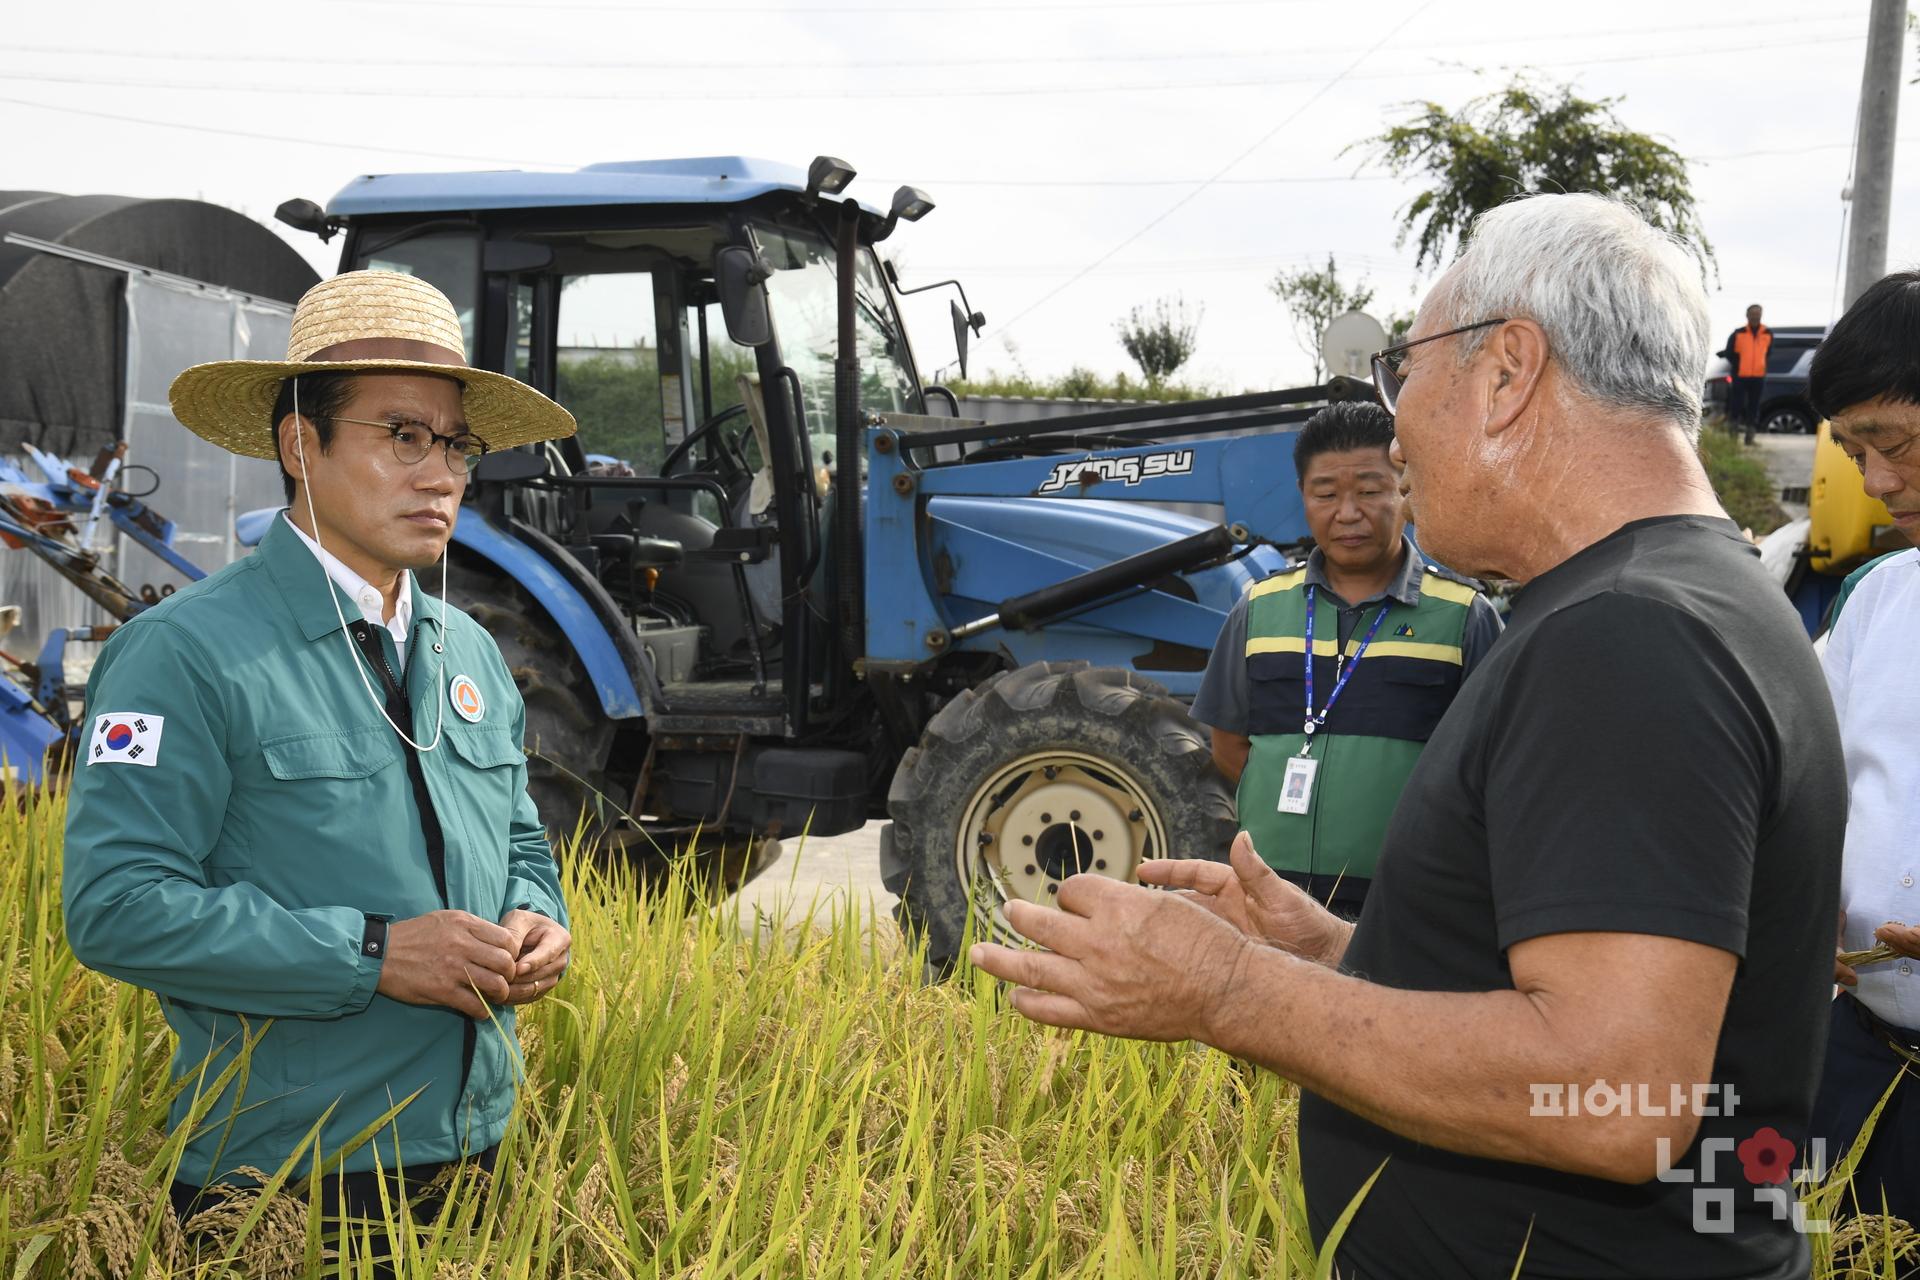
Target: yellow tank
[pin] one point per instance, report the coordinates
(1848, 527)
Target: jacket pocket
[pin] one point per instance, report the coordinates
(1417, 696)
(484, 746)
(1276, 693)
(329, 798)
(333, 753)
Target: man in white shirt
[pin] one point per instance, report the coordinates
(1866, 380)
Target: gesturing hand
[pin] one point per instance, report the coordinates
(442, 957)
(1120, 959)
(1249, 896)
(541, 949)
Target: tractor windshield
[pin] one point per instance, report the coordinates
(802, 292)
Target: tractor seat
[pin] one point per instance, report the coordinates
(640, 551)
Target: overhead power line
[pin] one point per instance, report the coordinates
(495, 161)
(1222, 172)
(943, 62)
(363, 148)
(494, 93)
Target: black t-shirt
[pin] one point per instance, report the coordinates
(1649, 748)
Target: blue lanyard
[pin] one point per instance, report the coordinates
(1315, 722)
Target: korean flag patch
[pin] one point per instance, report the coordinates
(126, 737)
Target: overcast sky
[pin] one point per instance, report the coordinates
(1054, 135)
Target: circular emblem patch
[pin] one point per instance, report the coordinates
(118, 736)
(465, 695)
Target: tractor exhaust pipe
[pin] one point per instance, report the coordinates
(1036, 609)
(848, 444)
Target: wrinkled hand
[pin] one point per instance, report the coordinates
(1249, 896)
(1903, 938)
(443, 957)
(541, 949)
(1120, 959)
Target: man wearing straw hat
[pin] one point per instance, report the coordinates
(1578, 1020)
(301, 815)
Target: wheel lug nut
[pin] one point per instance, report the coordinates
(986, 838)
(1099, 835)
(1026, 839)
(1031, 869)
(1135, 816)
(1051, 772)
(1074, 816)
(1053, 888)
(1099, 864)
(1046, 818)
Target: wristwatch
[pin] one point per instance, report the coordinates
(373, 938)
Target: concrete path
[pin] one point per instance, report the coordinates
(826, 873)
(1789, 461)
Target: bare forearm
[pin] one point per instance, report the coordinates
(1230, 753)
(1451, 1070)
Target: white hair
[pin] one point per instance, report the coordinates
(1621, 302)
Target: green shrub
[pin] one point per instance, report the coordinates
(1740, 480)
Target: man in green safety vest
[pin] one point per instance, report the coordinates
(1321, 747)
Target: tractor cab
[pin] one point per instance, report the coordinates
(686, 312)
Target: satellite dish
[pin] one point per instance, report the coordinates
(1349, 343)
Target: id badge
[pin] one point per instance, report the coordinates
(1296, 785)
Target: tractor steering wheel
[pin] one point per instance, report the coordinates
(729, 449)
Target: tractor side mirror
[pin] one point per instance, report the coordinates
(960, 336)
(740, 274)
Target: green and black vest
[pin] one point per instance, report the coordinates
(1402, 686)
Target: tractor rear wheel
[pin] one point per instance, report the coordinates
(1043, 772)
(569, 738)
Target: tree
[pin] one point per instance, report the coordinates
(1315, 298)
(1159, 340)
(1523, 139)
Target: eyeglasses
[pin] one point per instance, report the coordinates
(1386, 364)
(413, 440)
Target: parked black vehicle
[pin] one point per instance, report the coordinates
(1783, 396)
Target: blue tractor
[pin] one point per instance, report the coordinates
(768, 591)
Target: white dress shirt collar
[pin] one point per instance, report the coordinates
(365, 595)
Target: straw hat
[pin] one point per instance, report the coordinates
(362, 321)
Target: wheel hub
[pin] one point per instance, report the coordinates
(1044, 818)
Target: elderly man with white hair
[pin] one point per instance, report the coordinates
(1580, 1017)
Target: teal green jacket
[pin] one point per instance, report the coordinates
(241, 806)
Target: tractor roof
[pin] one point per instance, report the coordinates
(699, 180)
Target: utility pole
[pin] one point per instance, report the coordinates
(1873, 147)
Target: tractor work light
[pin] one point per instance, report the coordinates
(828, 176)
(910, 204)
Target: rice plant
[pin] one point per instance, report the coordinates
(705, 1096)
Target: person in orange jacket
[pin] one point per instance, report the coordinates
(1746, 351)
